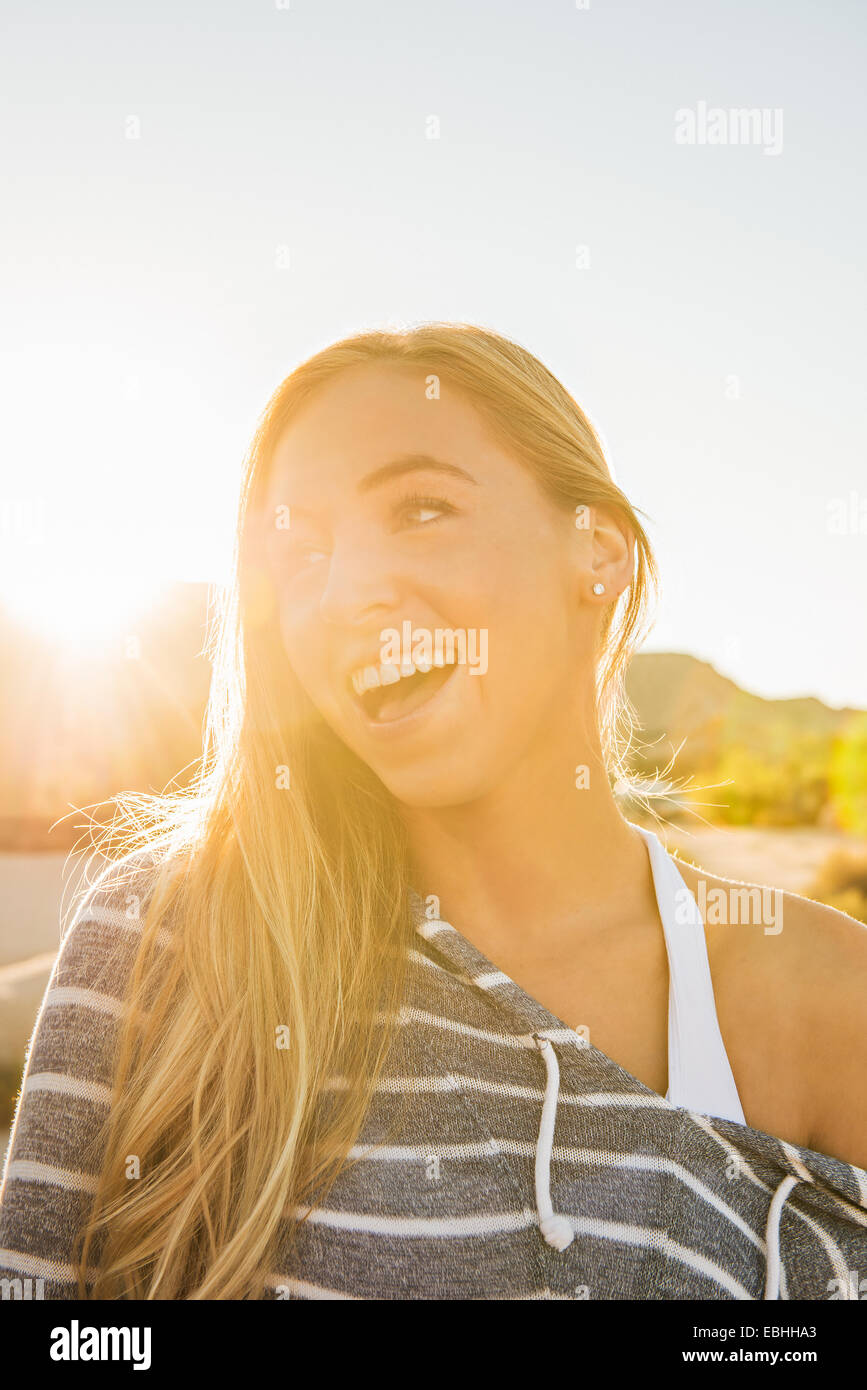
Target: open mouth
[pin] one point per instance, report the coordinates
(398, 695)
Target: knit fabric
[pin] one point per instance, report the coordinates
(664, 1202)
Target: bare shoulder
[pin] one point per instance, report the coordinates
(831, 950)
(790, 983)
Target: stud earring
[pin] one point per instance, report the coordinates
(599, 588)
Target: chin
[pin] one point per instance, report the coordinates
(434, 787)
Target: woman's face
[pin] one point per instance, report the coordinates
(406, 510)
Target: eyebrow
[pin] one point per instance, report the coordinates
(411, 463)
(397, 467)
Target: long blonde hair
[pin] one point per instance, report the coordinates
(281, 884)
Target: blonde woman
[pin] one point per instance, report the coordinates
(396, 1002)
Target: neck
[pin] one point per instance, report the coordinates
(535, 861)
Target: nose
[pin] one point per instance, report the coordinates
(360, 582)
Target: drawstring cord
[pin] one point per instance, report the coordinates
(772, 1237)
(557, 1230)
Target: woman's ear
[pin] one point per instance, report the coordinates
(607, 556)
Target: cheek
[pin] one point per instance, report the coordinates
(528, 622)
(305, 651)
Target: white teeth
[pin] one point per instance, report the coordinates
(364, 679)
(369, 677)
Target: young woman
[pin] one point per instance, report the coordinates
(396, 1003)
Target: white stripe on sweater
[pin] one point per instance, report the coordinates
(38, 1268)
(113, 917)
(64, 995)
(455, 1081)
(463, 1227)
(490, 980)
(437, 1227)
(408, 1014)
(429, 929)
(650, 1163)
(64, 1084)
(25, 1170)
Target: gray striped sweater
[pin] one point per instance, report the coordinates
(526, 1163)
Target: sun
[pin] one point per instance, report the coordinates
(78, 609)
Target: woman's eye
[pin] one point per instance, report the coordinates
(422, 511)
(310, 554)
(299, 555)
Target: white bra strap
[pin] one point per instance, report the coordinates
(699, 1073)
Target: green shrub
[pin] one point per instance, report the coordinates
(842, 883)
(848, 776)
(784, 786)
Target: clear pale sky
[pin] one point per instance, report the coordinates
(716, 336)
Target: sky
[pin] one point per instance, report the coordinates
(200, 196)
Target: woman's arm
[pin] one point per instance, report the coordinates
(51, 1171)
(832, 988)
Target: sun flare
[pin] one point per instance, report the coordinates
(81, 611)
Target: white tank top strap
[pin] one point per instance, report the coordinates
(699, 1073)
